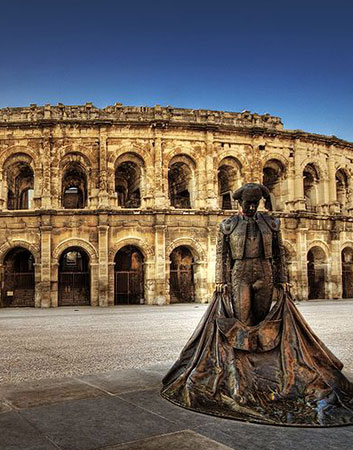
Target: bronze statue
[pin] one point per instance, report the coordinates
(249, 361)
(251, 243)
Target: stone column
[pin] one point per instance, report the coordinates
(45, 272)
(149, 282)
(111, 283)
(332, 189)
(1, 284)
(334, 272)
(54, 294)
(211, 173)
(103, 254)
(302, 266)
(103, 195)
(299, 200)
(3, 190)
(160, 198)
(160, 260)
(213, 223)
(290, 203)
(46, 158)
(38, 181)
(94, 284)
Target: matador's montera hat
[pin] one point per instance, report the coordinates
(254, 191)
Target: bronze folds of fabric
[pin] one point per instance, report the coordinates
(277, 372)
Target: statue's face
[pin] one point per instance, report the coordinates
(249, 207)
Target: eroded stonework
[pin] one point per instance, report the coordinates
(122, 204)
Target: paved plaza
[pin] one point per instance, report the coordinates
(65, 342)
(89, 379)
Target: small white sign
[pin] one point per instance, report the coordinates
(9, 293)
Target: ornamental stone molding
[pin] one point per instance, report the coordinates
(76, 242)
(14, 243)
(195, 247)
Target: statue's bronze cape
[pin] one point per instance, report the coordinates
(277, 372)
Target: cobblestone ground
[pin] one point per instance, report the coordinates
(64, 342)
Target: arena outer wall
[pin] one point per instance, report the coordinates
(153, 154)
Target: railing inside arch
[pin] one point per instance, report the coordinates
(74, 289)
(128, 287)
(18, 289)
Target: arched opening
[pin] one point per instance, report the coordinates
(228, 173)
(316, 261)
(273, 174)
(20, 185)
(311, 181)
(74, 187)
(180, 178)
(181, 277)
(129, 276)
(342, 189)
(18, 278)
(347, 272)
(74, 278)
(127, 184)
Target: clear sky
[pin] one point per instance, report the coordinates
(293, 59)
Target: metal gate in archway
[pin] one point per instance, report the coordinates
(128, 277)
(347, 272)
(181, 276)
(74, 278)
(316, 274)
(18, 286)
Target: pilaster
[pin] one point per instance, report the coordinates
(45, 271)
(211, 172)
(161, 281)
(103, 268)
(160, 194)
(103, 196)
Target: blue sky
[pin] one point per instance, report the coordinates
(293, 59)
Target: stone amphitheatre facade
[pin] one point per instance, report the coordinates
(121, 205)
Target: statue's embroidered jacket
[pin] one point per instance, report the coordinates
(231, 241)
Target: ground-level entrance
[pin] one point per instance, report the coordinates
(181, 278)
(347, 273)
(18, 278)
(74, 278)
(316, 273)
(128, 276)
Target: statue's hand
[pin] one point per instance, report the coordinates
(221, 288)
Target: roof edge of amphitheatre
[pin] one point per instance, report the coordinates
(157, 116)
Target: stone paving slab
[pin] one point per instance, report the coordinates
(44, 392)
(242, 436)
(51, 414)
(4, 407)
(95, 423)
(17, 434)
(151, 401)
(182, 440)
(117, 382)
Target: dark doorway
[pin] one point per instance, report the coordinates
(347, 273)
(316, 273)
(182, 288)
(18, 278)
(74, 278)
(128, 276)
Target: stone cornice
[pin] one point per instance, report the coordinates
(168, 117)
(157, 115)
